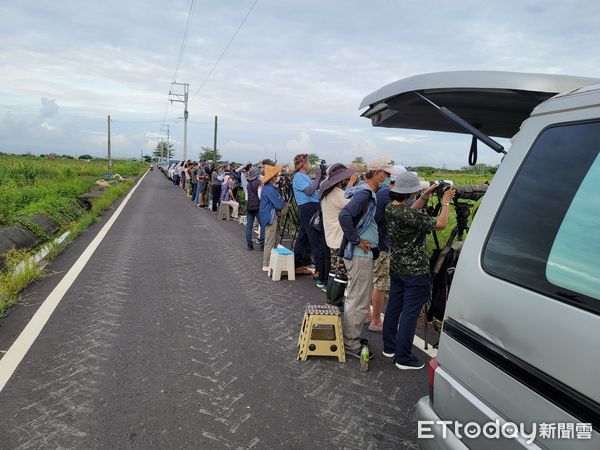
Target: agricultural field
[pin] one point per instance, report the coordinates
(34, 185)
(457, 179)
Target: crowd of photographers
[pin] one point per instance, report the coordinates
(366, 235)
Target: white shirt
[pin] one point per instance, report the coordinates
(331, 206)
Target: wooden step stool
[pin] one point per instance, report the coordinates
(281, 260)
(223, 212)
(321, 333)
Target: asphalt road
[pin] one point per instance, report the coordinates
(173, 337)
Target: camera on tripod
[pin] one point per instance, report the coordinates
(463, 191)
(323, 168)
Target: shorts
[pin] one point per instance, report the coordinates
(381, 272)
(338, 268)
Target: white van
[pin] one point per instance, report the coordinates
(521, 336)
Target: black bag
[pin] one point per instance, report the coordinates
(316, 221)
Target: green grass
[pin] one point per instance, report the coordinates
(12, 281)
(30, 185)
(33, 185)
(457, 179)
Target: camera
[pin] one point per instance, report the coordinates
(323, 168)
(463, 191)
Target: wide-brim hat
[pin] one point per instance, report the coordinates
(407, 183)
(270, 172)
(336, 173)
(253, 173)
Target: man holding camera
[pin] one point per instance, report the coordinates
(410, 277)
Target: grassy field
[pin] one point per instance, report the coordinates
(457, 179)
(33, 185)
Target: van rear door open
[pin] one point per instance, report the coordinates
(494, 102)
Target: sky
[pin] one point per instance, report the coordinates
(291, 81)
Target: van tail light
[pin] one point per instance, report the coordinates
(431, 366)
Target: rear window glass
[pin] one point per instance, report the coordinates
(574, 261)
(537, 240)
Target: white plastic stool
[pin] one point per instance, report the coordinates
(281, 260)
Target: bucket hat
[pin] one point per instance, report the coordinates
(407, 183)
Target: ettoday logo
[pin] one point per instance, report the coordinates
(508, 430)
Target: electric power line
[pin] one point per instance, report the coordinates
(145, 121)
(181, 50)
(224, 51)
(185, 35)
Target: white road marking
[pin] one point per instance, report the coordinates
(17, 351)
(420, 344)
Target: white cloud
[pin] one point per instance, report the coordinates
(406, 139)
(291, 81)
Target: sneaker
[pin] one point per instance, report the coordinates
(265, 268)
(324, 288)
(388, 354)
(250, 247)
(320, 284)
(413, 364)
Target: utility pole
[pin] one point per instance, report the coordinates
(182, 98)
(215, 141)
(109, 156)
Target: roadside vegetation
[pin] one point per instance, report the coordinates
(34, 185)
(479, 174)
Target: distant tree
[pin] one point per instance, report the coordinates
(162, 149)
(41, 156)
(208, 153)
(67, 157)
(313, 159)
(359, 160)
(86, 157)
(147, 158)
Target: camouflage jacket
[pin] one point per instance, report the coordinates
(407, 230)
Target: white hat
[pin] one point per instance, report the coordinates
(381, 163)
(397, 170)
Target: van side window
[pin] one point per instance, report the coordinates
(546, 236)
(573, 261)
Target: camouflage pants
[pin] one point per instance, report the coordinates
(338, 268)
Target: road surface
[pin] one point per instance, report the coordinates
(173, 337)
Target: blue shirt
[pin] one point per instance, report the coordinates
(270, 201)
(302, 181)
(371, 235)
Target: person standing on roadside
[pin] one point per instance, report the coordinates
(307, 199)
(252, 203)
(359, 248)
(202, 182)
(332, 198)
(410, 276)
(381, 266)
(216, 178)
(271, 204)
